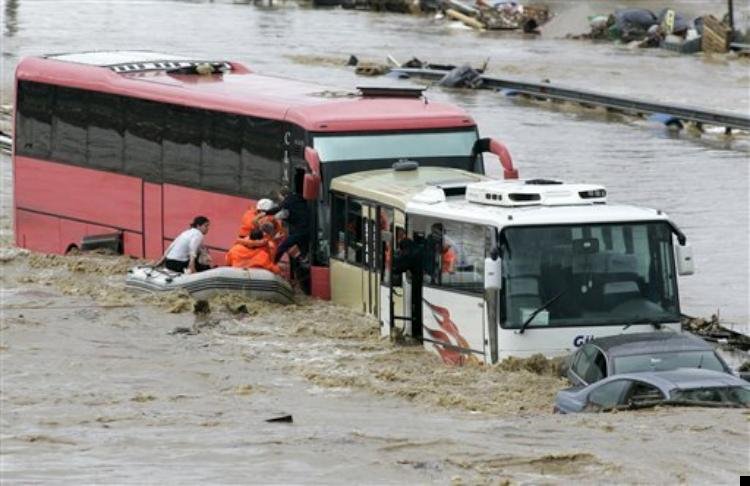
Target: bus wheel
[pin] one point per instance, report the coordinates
(73, 249)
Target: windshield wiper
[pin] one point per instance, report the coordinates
(540, 309)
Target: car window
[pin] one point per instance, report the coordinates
(597, 367)
(609, 395)
(575, 362)
(584, 360)
(668, 361)
(736, 395)
(642, 392)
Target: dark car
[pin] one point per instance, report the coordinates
(645, 351)
(685, 387)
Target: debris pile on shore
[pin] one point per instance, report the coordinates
(477, 14)
(671, 30)
(712, 330)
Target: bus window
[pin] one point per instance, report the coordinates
(354, 229)
(262, 154)
(105, 127)
(222, 145)
(69, 126)
(181, 146)
(143, 135)
(34, 119)
(454, 253)
(338, 221)
(385, 227)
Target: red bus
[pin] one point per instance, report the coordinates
(138, 142)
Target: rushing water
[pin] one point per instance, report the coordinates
(104, 395)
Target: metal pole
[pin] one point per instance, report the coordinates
(731, 16)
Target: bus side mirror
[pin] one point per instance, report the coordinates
(495, 147)
(685, 263)
(493, 275)
(311, 187)
(311, 184)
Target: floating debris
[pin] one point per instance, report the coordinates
(281, 419)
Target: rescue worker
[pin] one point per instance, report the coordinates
(182, 254)
(298, 222)
(250, 220)
(253, 253)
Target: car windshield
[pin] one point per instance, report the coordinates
(667, 361)
(730, 395)
(594, 274)
(404, 145)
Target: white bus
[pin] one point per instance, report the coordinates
(500, 268)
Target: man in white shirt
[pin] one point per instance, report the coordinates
(182, 254)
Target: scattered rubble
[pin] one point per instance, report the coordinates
(641, 28)
(479, 14)
(712, 330)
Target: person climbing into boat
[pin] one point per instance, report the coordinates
(251, 218)
(254, 252)
(183, 254)
(297, 220)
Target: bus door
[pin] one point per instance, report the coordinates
(386, 245)
(396, 314)
(372, 258)
(453, 296)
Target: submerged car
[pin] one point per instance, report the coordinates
(686, 387)
(644, 351)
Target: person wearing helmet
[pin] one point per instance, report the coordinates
(249, 220)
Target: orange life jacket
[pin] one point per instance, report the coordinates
(248, 223)
(240, 256)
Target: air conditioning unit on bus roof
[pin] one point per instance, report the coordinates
(534, 192)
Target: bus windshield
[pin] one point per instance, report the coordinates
(598, 274)
(411, 145)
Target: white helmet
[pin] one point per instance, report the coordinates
(264, 205)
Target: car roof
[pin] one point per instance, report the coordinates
(649, 342)
(684, 378)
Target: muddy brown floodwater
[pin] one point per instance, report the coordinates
(99, 385)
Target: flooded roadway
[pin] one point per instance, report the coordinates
(105, 394)
(96, 389)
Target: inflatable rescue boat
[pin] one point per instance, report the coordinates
(256, 283)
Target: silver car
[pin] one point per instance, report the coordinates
(644, 351)
(686, 386)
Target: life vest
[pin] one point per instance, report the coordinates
(240, 256)
(248, 223)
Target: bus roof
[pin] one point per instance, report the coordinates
(398, 188)
(236, 89)
(427, 191)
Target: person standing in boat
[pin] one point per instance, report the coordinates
(298, 222)
(184, 252)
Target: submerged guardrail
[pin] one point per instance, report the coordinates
(674, 113)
